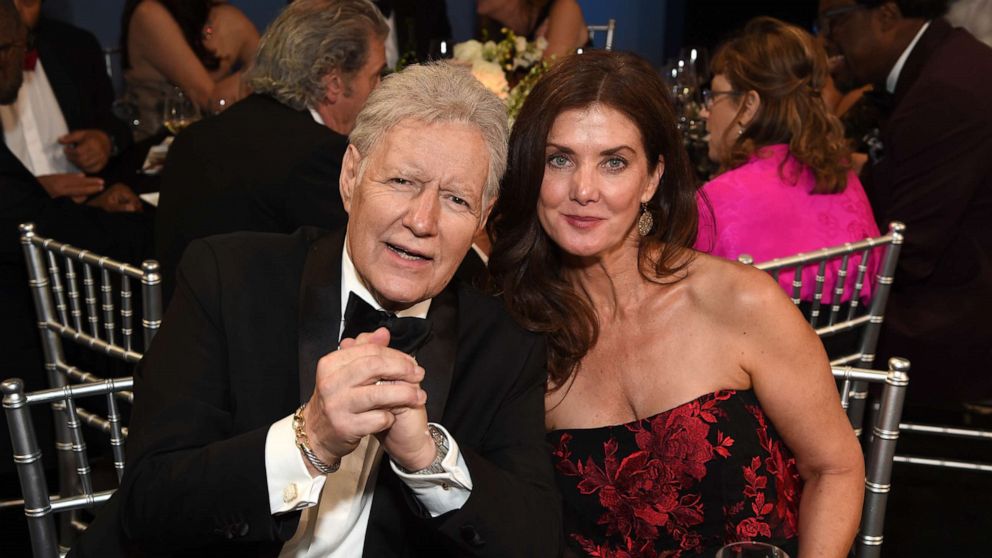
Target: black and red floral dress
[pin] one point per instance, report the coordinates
(680, 483)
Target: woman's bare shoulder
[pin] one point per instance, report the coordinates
(731, 289)
(150, 13)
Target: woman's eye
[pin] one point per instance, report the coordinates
(558, 161)
(615, 163)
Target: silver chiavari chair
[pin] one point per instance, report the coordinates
(881, 448)
(39, 504)
(829, 316)
(609, 28)
(76, 294)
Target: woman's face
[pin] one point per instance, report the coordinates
(595, 179)
(720, 117)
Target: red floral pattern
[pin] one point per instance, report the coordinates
(658, 487)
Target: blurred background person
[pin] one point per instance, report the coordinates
(60, 126)
(786, 184)
(271, 162)
(932, 171)
(23, 199)
(560, 22)
(200, 46)
(682, 388)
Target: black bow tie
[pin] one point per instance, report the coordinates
(405, 334)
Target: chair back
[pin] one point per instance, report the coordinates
(87, 299)
(39, 504)
(881, 448)
(829, 314)
(609, 28)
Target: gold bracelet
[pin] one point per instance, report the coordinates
(303, 442)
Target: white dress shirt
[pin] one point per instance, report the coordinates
(336, 507)
(33, 125)
(893, 79)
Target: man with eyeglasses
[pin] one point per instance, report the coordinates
(23, 199)
(934, 173)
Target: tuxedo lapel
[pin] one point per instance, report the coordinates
(438, 355)
(932, 38)
(66, 93)
(320, 307)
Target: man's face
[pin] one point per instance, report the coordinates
(853, 41)
(415, 208)
(359, 86)
(12, 47)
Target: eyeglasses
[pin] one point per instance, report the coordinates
(824, 21)
(710, 96)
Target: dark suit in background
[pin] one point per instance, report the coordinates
(251, 316)
(77, 72)
(258, 166)
(122, 236)
(936, 177)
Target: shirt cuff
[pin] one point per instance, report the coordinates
(290, 485)
(441, 493)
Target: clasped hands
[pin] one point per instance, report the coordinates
(367, 388)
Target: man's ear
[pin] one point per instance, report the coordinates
(887, 16)
(348, 180)
(333, 86)
(749, 108)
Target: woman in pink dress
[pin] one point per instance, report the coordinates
(786, 185)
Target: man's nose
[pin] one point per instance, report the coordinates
(423, 213)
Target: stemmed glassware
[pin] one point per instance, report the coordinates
(178, 111)
(751, 550)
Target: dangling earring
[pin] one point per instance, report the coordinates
(645, 222)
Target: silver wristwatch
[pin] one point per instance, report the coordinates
(441, 443)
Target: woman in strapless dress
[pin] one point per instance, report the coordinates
(689, 404)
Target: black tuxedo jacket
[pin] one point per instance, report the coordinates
(936, 177)
(258, 166)
(77, 72)
(252, 314)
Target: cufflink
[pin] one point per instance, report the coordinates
(290, 493)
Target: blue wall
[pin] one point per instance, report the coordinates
(640, 23)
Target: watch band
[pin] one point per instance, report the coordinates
(303, 443)
(441, 443)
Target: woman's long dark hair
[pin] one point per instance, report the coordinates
(526, 265)
(191, 15)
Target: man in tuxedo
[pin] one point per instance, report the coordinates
(257, 432)
(22, 199)
(271, 162)
(934, 174)
(61, 126)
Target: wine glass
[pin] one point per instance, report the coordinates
(178, 111)
(751, 550)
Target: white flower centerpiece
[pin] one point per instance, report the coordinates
(509, 68)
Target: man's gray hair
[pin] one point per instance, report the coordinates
(309, 40)
(433, 93)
